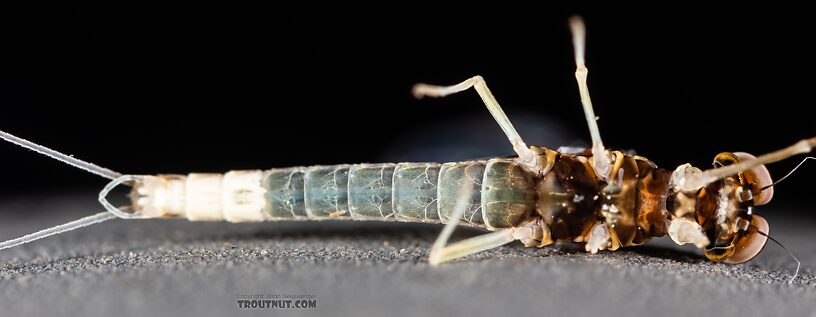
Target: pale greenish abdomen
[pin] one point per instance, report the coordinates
(502, 192)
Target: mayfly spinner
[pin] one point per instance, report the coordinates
(602, 198)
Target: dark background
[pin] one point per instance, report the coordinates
(160, 90)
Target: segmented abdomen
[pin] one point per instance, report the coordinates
(502, 192)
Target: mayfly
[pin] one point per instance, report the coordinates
(603, 198)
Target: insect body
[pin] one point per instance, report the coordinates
(603, 198)
(561, 204)
(565, 202)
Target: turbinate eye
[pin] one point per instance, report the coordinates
(747, 247)
(762, 178)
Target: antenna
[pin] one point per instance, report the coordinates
(789, 173)
(798, 264)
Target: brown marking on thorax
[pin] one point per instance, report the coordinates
(571, 199)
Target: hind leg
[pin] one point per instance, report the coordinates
(526, 155)
(531, 233)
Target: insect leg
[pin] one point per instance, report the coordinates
(684, 231)
(599, 238)
(600, 159)
(694, 181)
(470, 246)
(527, 156)
(441, 252)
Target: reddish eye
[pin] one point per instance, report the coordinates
(751, 244)
(763, 178)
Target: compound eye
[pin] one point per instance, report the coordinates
(762, 178)
(747, 247)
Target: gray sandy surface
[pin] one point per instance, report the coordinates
(174, 267)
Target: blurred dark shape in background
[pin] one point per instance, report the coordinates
(475, 136)
(215, 90)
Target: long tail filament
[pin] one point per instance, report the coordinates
(80, 164)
